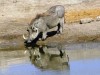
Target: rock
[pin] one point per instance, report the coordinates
(86, 20)
(98, 18)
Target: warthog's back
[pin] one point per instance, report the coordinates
(58, 9)
(55, 14)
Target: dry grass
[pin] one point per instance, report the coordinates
(71, 16)
(76, 15)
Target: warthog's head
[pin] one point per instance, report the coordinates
(34, 28)
(32, 33)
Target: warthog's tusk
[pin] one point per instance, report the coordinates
(24, 37)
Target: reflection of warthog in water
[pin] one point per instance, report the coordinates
(43, 58)
(54, 17)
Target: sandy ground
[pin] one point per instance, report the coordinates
(72, 34)
(14, 21)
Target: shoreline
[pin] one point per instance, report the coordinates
(74, 33)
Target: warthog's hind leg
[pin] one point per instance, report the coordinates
(61, 25)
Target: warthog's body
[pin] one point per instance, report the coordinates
(50, 19)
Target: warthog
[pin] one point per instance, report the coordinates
(49, 57)
(42, 23)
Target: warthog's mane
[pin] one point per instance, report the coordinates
(37, 17)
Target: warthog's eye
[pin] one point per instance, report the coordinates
(32, 28)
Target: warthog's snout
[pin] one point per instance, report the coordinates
(31, 36)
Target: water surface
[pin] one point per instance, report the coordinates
(84, 59)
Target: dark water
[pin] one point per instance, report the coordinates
(87, 62)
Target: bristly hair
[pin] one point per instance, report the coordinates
(38, 16)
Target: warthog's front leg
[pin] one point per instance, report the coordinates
(44, 35)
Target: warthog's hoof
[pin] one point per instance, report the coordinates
(40, 39)
(58, 32)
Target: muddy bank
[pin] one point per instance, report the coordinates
(72, 34)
